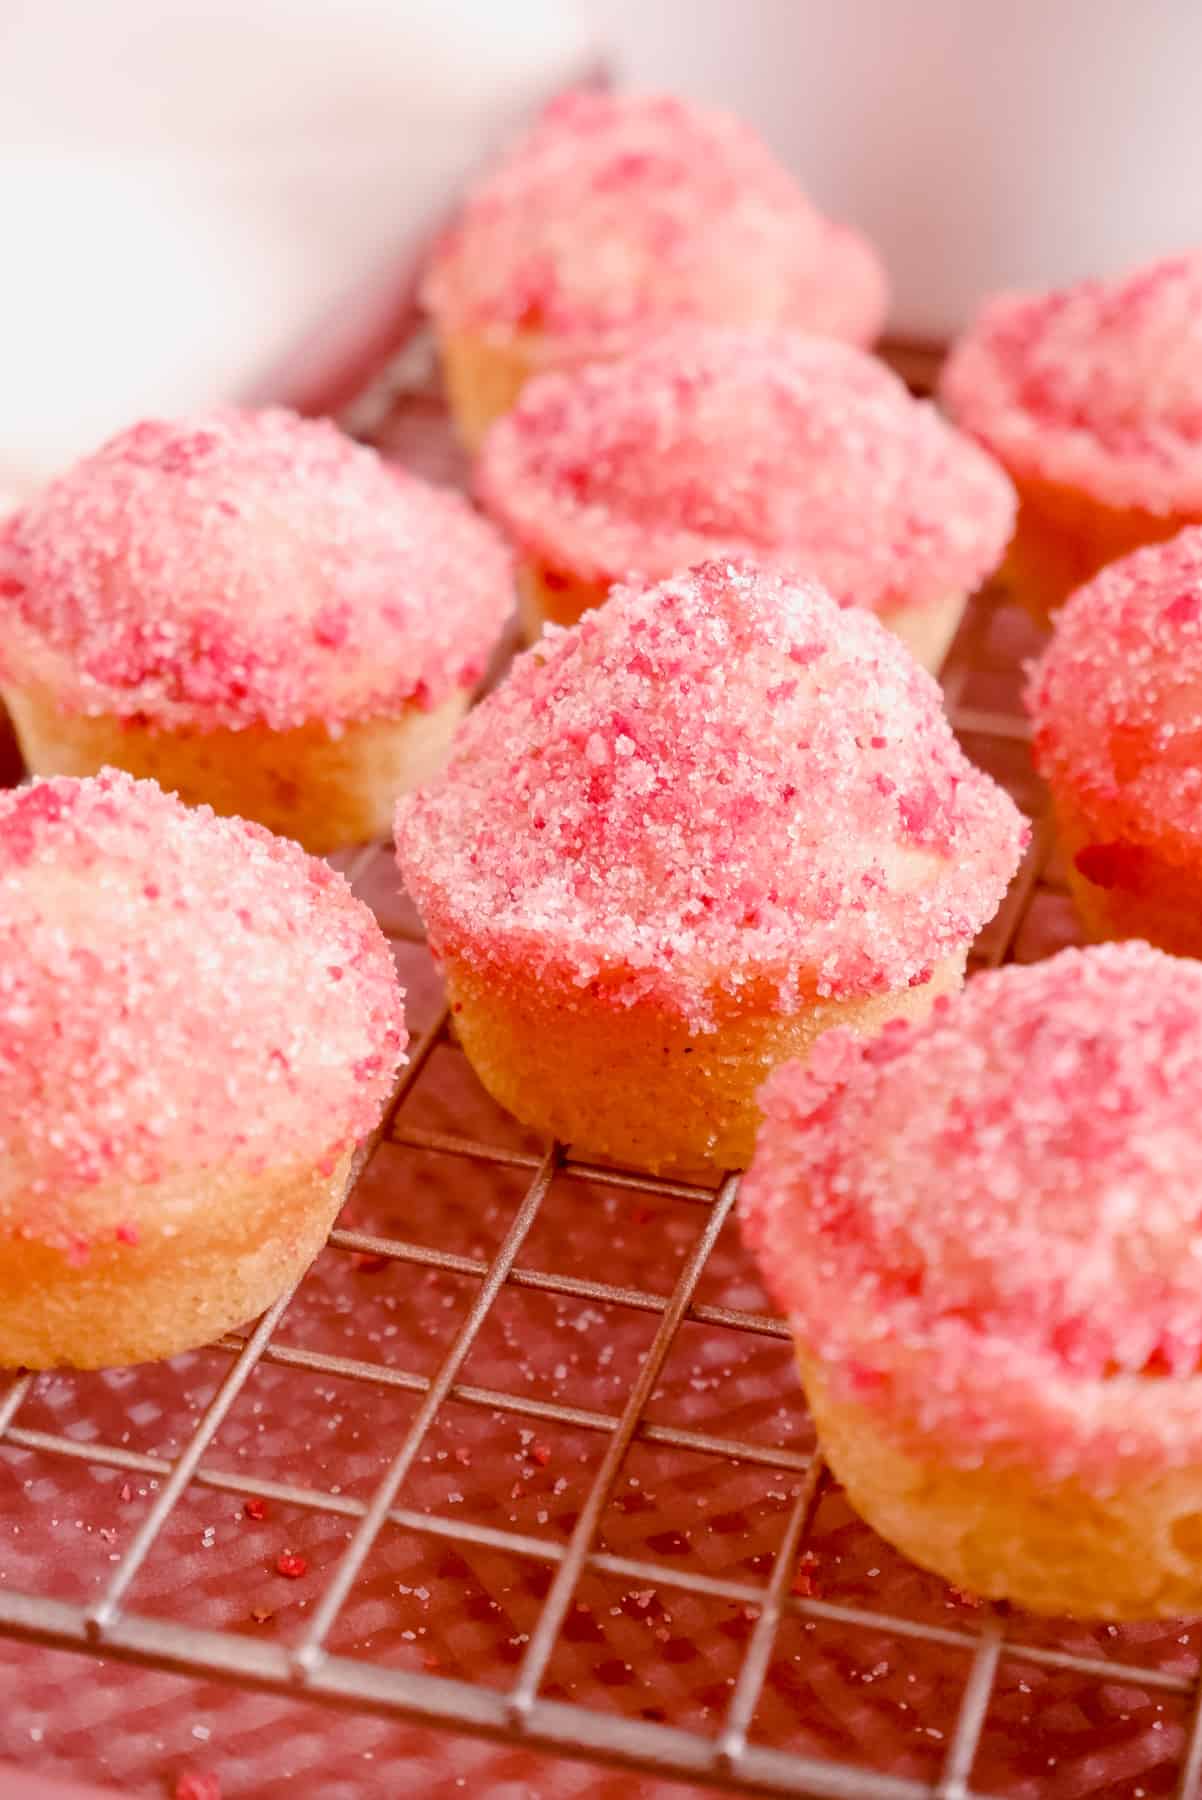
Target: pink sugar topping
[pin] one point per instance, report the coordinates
(178, 993)
(988, 1227)
(616, 209)
(1097, 386)
(246, 568)
(710, 441)
(720, 779)
(1117, 696)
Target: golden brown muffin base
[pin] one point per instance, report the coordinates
(927, 628)
(1006, 1534)
(634, 1085)
(1063, 537)
(483, 377)
(548, 596)
(1152, 896)
(198, 1269)
(326, 792)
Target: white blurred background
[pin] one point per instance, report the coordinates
(186, 190)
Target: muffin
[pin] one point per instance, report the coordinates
(619, 211)
(1091, 397)
(685, 837)
(254, 611)
(1116, 702)
(198, 1023)
(711, 441)
(986, 1235)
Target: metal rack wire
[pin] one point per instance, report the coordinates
(732, 1757)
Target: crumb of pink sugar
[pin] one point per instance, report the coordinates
(805, 1583)
(370, 1262)
(192, 1785)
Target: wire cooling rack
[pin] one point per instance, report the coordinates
(457, 1481)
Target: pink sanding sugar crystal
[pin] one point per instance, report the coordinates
(197, 1785)
(1096, 386)
(988, 1227)
(168, 1005)
(617, 209)
(247, 568)
(718, 779)
(712, 441)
